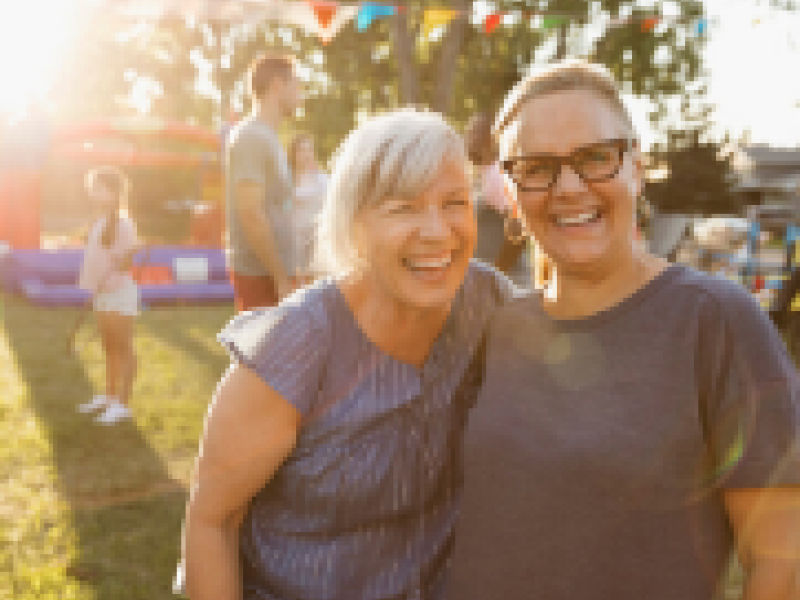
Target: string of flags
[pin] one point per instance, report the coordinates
(326, 18)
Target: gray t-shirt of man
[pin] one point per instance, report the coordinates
(599, 449)
(254, 153)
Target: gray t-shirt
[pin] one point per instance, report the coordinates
(254, 153)
(599, 448)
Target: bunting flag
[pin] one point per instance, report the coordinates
(323, 19)
(435, 18)
(326, 18)
(369, 11)
(700, 27)
(343, 15)
(549, 22)
(491, 22)
(650, 23)
(324, 12)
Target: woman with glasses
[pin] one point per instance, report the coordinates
(637, 421)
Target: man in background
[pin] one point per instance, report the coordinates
(258, 187)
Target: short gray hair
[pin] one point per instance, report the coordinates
(397, 154)
(564, 75)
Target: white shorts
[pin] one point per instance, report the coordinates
(124, 301)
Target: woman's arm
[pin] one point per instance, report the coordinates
(766, 523)
(250, 430)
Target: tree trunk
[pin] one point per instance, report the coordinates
(448, 59)
(561, 48)
(220, 30)
(404, 41)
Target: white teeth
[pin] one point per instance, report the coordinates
(581, 219)
(430, 264)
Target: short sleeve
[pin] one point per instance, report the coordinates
(286, 346)
(751, 396)
(248, 160)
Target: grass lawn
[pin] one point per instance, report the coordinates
(91, 512)
(86, 511)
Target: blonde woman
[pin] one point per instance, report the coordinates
(330, 462)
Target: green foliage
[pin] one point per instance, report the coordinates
(363, 72)
(700, 177)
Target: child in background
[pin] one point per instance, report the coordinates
(108, 257)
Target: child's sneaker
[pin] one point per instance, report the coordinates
(115, 413)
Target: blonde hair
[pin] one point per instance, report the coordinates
(562, 76)
(396, 153)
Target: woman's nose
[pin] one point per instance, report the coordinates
(434, 223)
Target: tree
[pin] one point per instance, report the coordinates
(699, 177)
(466, 69)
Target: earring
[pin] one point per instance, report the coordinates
(514, 229)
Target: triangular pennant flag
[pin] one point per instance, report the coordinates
(550, 22)
(491, 22)
(369, 11)
(324, 11)
(344, 14)
(435, 18)
(701, 26)
(649, 23)
(306, 15)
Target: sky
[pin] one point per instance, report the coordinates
(751, 57)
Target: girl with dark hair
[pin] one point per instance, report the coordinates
(108, 257)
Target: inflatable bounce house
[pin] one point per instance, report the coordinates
(191, 272)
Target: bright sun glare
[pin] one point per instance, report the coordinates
(32, 36)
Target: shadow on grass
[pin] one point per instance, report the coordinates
(184, 327)
(94, 462)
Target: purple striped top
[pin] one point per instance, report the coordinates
(364, 507)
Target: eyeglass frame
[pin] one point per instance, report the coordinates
(623, 145)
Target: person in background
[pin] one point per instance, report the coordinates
(330, 464)
(310, 185)
(640, 422)
(108, 257)
(493, 203)
(258, 188)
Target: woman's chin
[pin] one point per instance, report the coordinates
(428, 291)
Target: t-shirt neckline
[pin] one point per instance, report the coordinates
(625, 305)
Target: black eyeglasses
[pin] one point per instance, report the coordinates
(593, 163)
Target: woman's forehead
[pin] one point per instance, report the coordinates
(562, 121)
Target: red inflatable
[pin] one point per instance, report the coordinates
(19, 207)
(20, 183)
